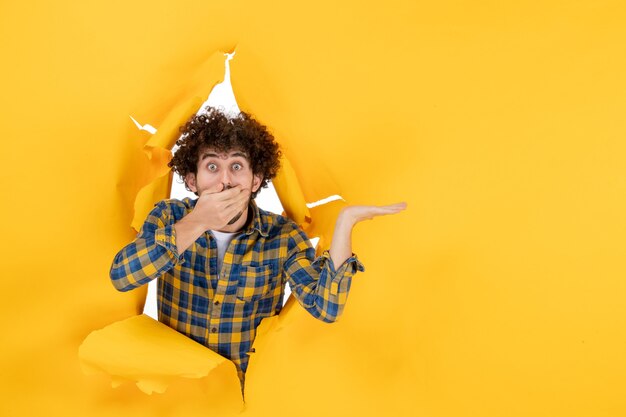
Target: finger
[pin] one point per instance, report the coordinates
(215, 189)
(396, 206)
(233, 213)
(380, 211)
(235, 207)
(229, 193)
(390, 209)
(235, 218)
(239, 199)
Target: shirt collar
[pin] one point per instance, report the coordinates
(256, 223)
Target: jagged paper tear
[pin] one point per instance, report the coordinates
(150, 354)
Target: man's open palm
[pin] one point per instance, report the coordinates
(360, 213)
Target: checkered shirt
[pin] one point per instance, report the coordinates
(222, 309)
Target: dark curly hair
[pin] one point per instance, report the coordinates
(217, 131)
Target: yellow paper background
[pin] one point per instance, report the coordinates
(498, 293)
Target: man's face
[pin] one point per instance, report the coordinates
(227, 168)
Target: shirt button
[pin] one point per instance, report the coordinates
(216, 303)
(213, 329)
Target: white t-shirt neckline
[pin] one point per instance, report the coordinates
(222, 239)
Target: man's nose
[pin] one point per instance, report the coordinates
(227, 178)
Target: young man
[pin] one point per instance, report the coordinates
(222, 262)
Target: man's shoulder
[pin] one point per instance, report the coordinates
(176, 208)
(276, 224)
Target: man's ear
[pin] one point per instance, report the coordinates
(190, 180)
(256, 183)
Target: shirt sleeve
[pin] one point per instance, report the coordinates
(152, 253)
(315, 282)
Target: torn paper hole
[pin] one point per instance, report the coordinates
(222, 97)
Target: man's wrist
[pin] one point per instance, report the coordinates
(345, 220)
(194, 222)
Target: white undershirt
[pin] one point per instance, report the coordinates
(223, 240)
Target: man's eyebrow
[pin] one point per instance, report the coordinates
(215, 155)
(208, 155)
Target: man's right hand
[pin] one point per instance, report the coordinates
(216, 207)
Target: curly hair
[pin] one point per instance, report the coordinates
(222, 133)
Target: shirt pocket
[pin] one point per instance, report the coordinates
(254, 282)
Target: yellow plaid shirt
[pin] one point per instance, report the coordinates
(222, 309)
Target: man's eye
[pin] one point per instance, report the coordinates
(212, 167)
(237, 167)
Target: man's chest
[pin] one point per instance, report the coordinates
(250, 269)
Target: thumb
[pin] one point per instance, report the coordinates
(219, 187)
